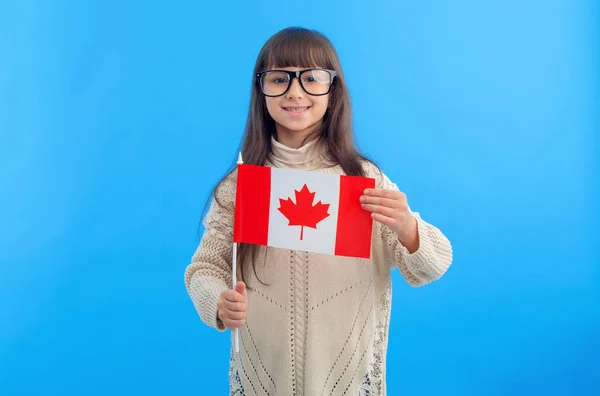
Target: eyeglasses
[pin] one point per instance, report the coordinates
(315, 82)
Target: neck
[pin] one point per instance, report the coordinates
(311, 155)
(296, 139)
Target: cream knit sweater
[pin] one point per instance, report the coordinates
(320, 326)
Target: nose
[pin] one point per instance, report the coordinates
(295, 90)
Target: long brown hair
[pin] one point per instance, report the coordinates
(298, 47)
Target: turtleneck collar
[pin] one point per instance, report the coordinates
(310, 156)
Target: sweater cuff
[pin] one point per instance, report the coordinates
(205, 292)
(434, 255)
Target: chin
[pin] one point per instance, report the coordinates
(295, 127)
(298, 128)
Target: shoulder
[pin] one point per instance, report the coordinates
(224, 193)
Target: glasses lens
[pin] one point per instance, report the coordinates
(316, 82)
(275, 83)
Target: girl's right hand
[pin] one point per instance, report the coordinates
(232, 307)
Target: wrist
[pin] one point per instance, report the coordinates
(410, 236)
(220, 324)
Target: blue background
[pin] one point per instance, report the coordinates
(117, 118)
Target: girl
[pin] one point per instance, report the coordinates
(309, 324)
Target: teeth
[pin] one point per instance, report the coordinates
(297, 109)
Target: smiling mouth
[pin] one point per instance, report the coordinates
(296, 109)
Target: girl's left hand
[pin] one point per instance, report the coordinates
(390, 207)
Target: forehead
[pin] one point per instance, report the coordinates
(297, 54)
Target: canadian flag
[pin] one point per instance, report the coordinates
(302, 210)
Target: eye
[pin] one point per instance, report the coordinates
(276, 78)
(316, 77)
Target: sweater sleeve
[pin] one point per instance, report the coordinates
(430, 261)
(209, 272)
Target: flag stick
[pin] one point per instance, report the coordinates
(236, 332)
(236, 339)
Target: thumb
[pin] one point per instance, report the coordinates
(240, 287)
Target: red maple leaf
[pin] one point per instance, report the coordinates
(303, 213)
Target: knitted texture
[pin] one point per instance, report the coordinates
(319, 325)
(210, 271)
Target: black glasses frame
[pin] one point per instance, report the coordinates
(295, 74)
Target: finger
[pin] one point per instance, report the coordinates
(226, 315)
(388, 212)
(234, 324)
(240, 287)
(233, 296)
(388, 221)
(387, 202)
(235, 315)
(384, 193)
(235, 306)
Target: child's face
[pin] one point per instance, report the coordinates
(296, 112)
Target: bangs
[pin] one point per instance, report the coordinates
(298, 48)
